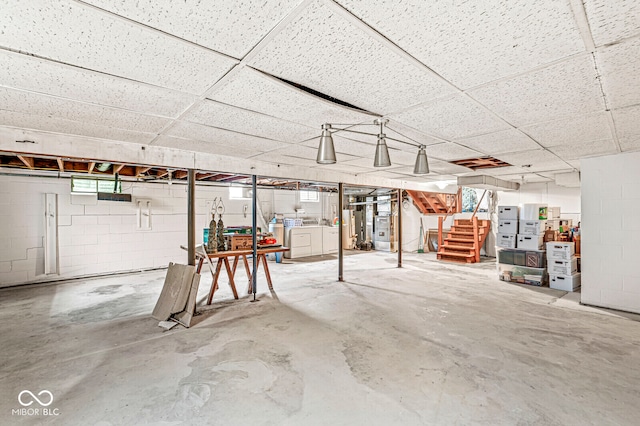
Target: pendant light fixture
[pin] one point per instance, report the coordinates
(422, 165)
(327, 153)
(382, 151)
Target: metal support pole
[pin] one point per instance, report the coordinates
(340, 230)
(254, 234)
(191, 217)
(399, 202)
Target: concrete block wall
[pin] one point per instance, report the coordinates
(97, 237)
(611, 231)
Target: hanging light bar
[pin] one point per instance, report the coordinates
(327, 153)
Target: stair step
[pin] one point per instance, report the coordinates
(459, 240)
(453, 258)
(458, 247)
(456, 254)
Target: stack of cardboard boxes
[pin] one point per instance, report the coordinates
(562, 266)
(507, 226)
(520, 244)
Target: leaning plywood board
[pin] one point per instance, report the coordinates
(185, 316)
(175, 291)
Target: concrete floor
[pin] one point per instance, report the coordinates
(432, 343)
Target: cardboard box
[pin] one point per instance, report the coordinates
(563, 267)
(508, 226)
(507, 212)
(560, 250)
(506, 240)
(565, 283)
(550, 235)
(533, 212)
(239, 242)
(531, 227)
(530, 242)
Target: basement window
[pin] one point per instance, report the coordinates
(83, 185)
(239, 193)
(309, 196)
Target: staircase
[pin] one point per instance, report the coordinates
(464, 240)
(436, 202)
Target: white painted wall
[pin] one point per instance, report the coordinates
(611, 231)
(100, 236)
(568, 199)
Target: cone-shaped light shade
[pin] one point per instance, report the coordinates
(326, 152)
(382, 153)
(422, 165)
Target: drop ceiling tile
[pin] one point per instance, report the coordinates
(627, 122)
(585, 149)
(612, 20)
(255, 91)
(232, 28)
(570, 131)
(568, 88)
(502, 142)
(534, 161)
(620, 71)
(450, 151)
(223, 138)
(385, 174)
(305, 153)
(341, 168)
(461, 40)
(445, 168)
(202, 146)
(366, 162)
(86, 37)
(43, 105)
(502, 171)
(322, 50)
(629, 143)
(240, 120)
(39, 75)
(60, 125)
(451, 118)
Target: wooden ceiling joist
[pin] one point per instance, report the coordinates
(92, 165)
(142, 170)
(117, 168)
(27, 161)
(60, 164)
(180, 174)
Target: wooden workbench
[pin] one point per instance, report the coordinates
(223, 258)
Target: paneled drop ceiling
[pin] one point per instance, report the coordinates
(537, 84)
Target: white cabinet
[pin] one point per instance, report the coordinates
(311, 241)
(299, 243)
(330, 239)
